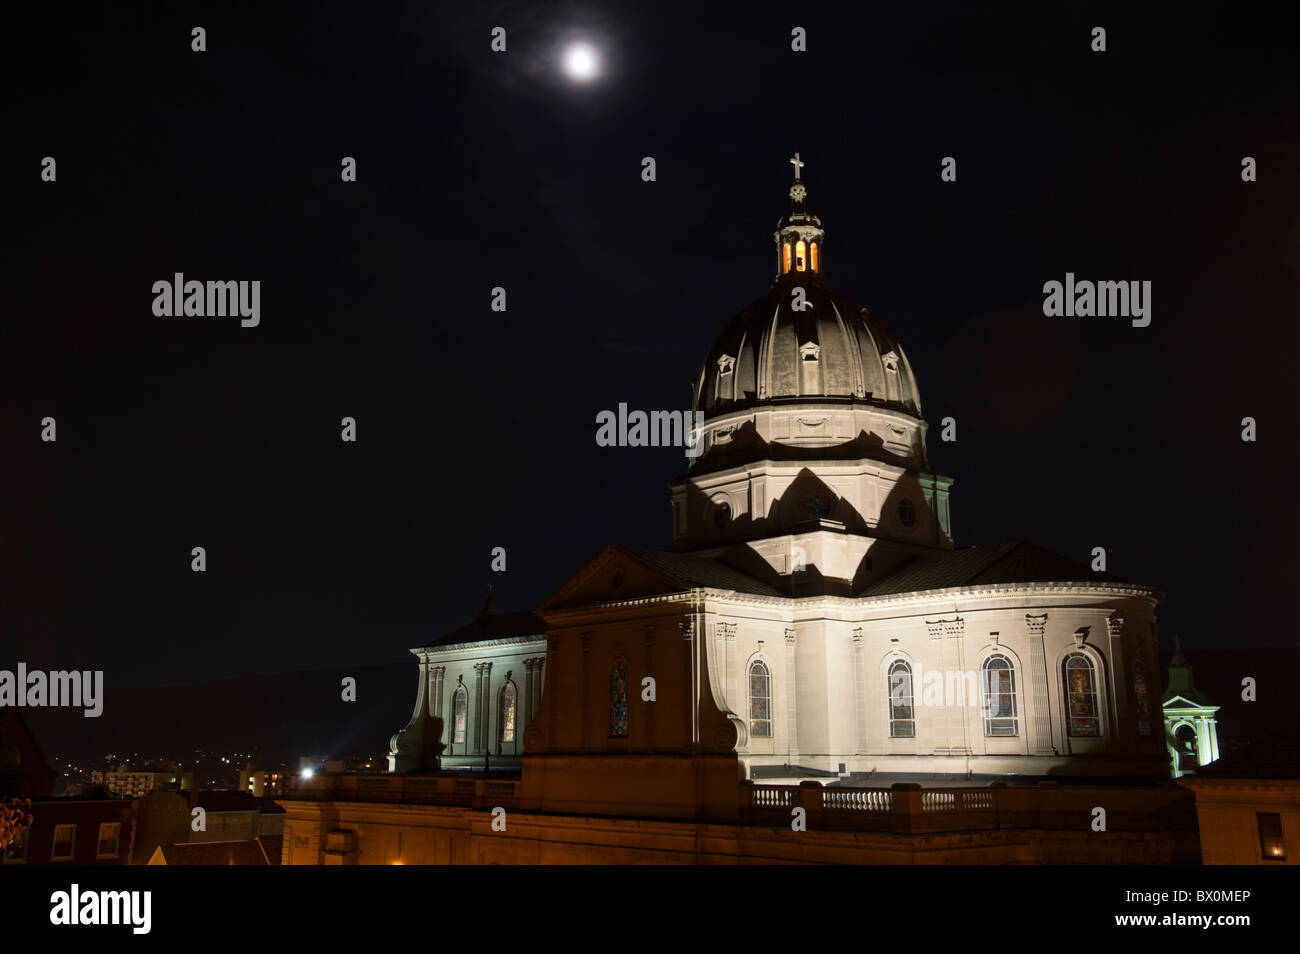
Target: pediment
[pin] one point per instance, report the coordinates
(1181, 703)
(614, 575)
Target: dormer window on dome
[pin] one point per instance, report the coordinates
(799, 235)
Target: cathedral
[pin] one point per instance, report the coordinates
(813, 618)
(811, 672)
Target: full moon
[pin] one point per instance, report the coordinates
(580, 62)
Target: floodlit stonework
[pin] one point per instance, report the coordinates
(813, 623)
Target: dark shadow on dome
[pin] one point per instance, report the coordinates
(745, 446)
(810, 504)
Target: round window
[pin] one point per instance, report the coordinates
(906, 512)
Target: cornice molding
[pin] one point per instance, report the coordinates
(502, 641)
(913, 598)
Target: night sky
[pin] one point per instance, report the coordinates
(476, 429)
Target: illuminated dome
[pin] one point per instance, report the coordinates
(831, 349)
(803, 370)
(801, 340)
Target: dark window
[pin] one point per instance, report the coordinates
(618, 702)
(64, 837)
(722, 513)
(1185, 746)
(109, 835)
(1143, 696)
(1271, 846)
(907, 512)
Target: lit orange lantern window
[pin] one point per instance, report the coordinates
(799, 249)
(815, 263)
(786, 263)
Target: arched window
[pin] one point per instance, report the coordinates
(1185, 746)
(902, 720)
(1000, 696)
(459, 714)
(506, 712)
(785, 258)
(760, 700)
(1082, 712)
(618, 702)
(816, 264)
(799, 250)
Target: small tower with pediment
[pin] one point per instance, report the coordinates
(1190, 731)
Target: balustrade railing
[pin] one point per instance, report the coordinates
(857, 799)
(905, 807)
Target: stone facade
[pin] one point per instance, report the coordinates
(473, 700)
(813, 622)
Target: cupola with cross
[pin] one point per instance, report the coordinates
(800, 241)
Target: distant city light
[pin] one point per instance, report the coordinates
(307, 773)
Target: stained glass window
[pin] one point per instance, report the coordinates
(1081, 697)
(902, 720)
(459, 711)
(618, 702)
(760, 700)
(1143, 696)
(507, 712)
(1000, 697)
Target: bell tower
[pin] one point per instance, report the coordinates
(800, 241)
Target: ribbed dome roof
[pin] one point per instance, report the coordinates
(801, 341)
(832, 349)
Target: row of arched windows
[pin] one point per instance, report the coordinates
(997, 686)
(997, 698)
(507, 714)
(801, 256)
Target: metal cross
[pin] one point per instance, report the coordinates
(797, 166)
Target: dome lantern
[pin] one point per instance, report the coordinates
(800, 241)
